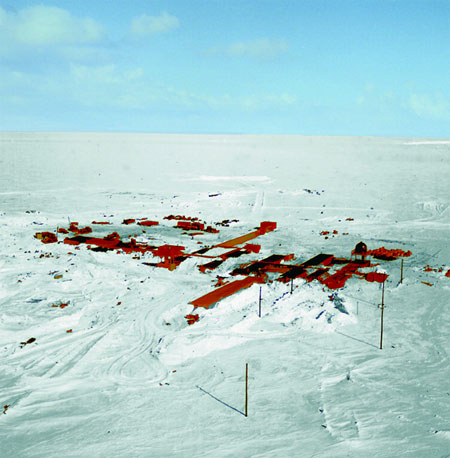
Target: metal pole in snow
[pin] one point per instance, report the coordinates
(401, 273)
(292, 285)
(382, 311)
(260, 301)
(246, 389)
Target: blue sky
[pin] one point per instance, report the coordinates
(363, 67)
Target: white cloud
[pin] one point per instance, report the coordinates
(369, 88)
(430, 106)
(111, 87)
(264, 48)
(104, 74)
(46, 26)
(149, 25)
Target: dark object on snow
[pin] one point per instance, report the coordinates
(292, 273)
(360, 250)
(210, 265)
(29, 341)
(100, 249)
(320, 259)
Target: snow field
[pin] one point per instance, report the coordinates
(131, 379)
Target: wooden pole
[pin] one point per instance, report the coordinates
(401, 273)
(246, 389)
(259, 302)
(382, 311)
(292, 285)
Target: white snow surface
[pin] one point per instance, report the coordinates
(132, 380)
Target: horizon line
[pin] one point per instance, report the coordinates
(109, 132)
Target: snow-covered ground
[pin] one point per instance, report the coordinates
(135, 380)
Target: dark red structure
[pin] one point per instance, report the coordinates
(190, 225)
(330, 271)
(388, 255)
(148, 223)
(79, 230)
(264, 228)
(376, 276)
(338, 279)
(225, 291)
(234, 253)
(169, 253)
(267, 226)
(46, 237)
(191, 319)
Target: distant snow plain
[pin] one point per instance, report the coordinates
(134, 380)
